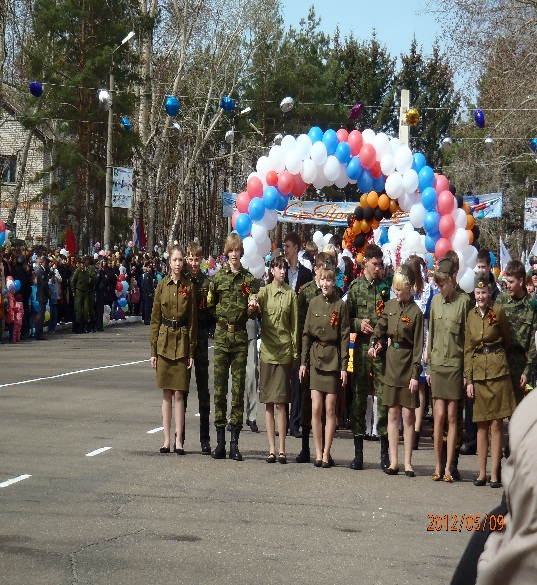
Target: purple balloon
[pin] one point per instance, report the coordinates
(479, 118)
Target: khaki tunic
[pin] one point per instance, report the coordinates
(489, 372)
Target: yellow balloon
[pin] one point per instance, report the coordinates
(412, 117)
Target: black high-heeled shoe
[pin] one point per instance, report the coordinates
(391, 471)
(179, 451)
(164, 450)
(318, 463)
(480, 482)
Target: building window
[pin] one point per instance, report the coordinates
(8, 169)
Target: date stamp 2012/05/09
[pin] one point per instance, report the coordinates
(470, 522)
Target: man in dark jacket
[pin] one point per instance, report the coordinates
(42, 294)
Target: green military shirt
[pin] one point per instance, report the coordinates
(447, 323)
(174, 302)
(79, 282)
(522, 318)
(228, 295)
(279, 324)
(201, 284)
(92, 278)
(402, 324)
(366, 300)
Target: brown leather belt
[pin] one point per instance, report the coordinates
(174, 324)
(327, 343)
(486, 349)
(232, 327)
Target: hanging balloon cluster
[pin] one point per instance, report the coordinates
(2, 232)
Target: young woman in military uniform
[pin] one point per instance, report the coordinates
(173, 334)
(399, 332)
(487, 340)
(279, 349)
(325, 348)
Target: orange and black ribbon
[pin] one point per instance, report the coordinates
(380, 308)
(405, 320)
(492, 318)
(245, 289)
(203, 303)
(183, 291)
(334, 319)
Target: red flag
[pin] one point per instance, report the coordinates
(70, 240)
(142, 240)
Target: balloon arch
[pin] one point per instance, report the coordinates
(391, 179)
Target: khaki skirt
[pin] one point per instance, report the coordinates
(494, 399)
(446, 382)
(274, 383)
(400, 396)
(327, 382)
(173, 374)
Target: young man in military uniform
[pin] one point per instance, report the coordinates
(520, 310)
(228, 302)
(79, 286)
(200, 282)
(366, 298)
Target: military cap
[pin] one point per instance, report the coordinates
(533, 264)
(481, 280)
(276, 254)
(406, 271)
(329, 265)
(446, 266)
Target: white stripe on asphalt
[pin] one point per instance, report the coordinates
(155, 430)
(14, 480)
(71, 373)
(97, 451)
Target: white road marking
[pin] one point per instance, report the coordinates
(71, 373)
(158, 429)
(14, 480)
(97, 451)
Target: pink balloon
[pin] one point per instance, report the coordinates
(254, 187)
(442, 246)
(285, 182)
(368, 156)
(446, 203)
(355, 141)
(342, 135)
(441, 183)
(243, 200)
(446, 226)
(272, 178)
(236, 214)
(299, 186)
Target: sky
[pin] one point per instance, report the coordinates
(395, 21)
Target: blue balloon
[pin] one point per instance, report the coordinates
(430, 261)
(492, 259)
(282, 203)
(122, 302)
(126, 123)
(479, 118)
(476, 201)
(36, 89)
(271, 197)
(243, 225)
(227, 104)
(159, 276)
(330, 141)
(429, 198)
(2, 237)
(36, 306)
(430, 222)
(315, 134)
(171, 105)
(354, 168)
(343, 152)
(17, 284)
(480, 214)
(430, 243)
(533, 144)
(379, 184)
(383, 236)
(425, 178)
(256, 209)
(365, 182)
(125, 285)
(419, 161)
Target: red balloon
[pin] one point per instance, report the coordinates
(119, 287)
(299, 187)
(442, 246)
(254, 187)
(285, 182)
(446, 203)
(355, 141)
(243, 200)
(236, 214)
(342, 135)
(441, 183)
(376, 172)
(368, 156)
(121, 278)
(446, 226)
(272, 178)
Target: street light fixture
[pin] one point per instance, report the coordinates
(108, 197)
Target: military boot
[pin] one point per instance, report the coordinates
(384, 452)
(220, 451)
(358, 461)
(205, 439)
(453, 468)
(234, 452)
(304, 455)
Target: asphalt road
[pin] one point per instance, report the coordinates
(128, 515)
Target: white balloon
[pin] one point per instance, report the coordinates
(293, 161)
(303, 146)
(318, 153)
(394, 235)
(410, 180)
(264, 247)
(320, 180)
(331, 168)
(460, 240)
(470, 255)
(250, 247)
(412, 242)
(258, 231)
(461, 219)
(244, 262)
(405, 202)
(387, 164)
(257, 268)
(342, 179)
(403, 159)
(462, 261)
(270, 218)
(466, 281)
(309, 171)
(263, 166)
(394, 185)
(288, 142)
(326, 239)
(381, 143)
(376, 235)
(395, 143)
(368, 135)
(416, 214)
(318, 238)
(277, 158)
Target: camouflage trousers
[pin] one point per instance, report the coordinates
(230, 351)
(517, 364)
(366, 376)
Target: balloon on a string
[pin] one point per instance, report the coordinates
(412, 117)
(479, 118)
(533, 144)
(227, 104)
(126, 123)
(287, 104)
(36, 89)
(171, 105)
(447, 142)
(356, 112)
(105, 99)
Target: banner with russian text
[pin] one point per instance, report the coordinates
(122, 187)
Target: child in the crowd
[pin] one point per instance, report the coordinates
(10, 314)
(134, 298)
(2, 304)
(55, 291)
(17, 319)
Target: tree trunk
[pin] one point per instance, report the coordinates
(21, 171)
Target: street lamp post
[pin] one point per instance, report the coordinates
(109, 163)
